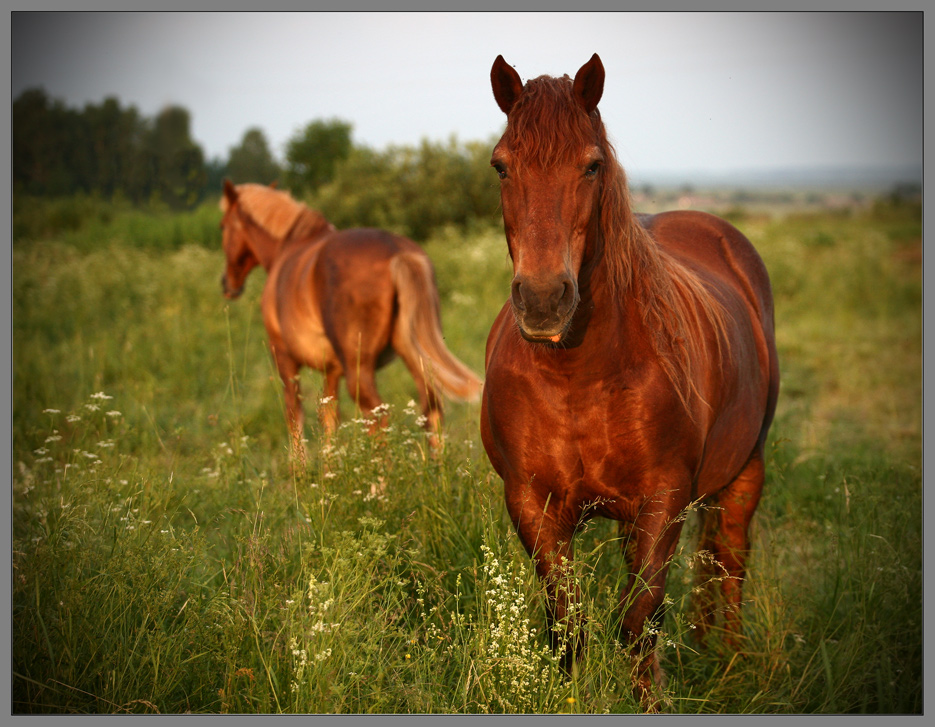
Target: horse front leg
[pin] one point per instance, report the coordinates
(295, 418)
(564, 617)
(428, 400)
(547, 539)
(652, 542)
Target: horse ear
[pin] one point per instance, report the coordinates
(507, 85)
(230, 191)
(589, 83)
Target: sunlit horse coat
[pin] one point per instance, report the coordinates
(344, 302)
(633, 369)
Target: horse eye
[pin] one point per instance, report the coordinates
(592, 170)
(501, 170)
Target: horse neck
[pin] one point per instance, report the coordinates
(309, 224)
(668, 307)
(266, 248)
(600, 280)
(611, 282)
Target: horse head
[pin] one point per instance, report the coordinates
(550, 162)
(238, 251)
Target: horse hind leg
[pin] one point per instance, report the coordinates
(429, 401)
(362, 387)
(328, 413)
(725, 545)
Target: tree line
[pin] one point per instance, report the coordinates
(112, 151)
(105, 149)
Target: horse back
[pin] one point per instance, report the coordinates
(353, 284)
(322, 291)
(718, 252)
(356, 251)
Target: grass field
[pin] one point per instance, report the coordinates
(165, 559)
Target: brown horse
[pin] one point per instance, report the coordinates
(633, 370)
(342, 302)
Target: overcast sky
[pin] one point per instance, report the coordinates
(707, 92)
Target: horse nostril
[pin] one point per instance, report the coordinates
(560, 294)
(568, 291)
(516, 294)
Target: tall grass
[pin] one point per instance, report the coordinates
(166, 557)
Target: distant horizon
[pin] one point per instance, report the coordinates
(818, 176)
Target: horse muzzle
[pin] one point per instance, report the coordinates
(229, 292)
(544, 308)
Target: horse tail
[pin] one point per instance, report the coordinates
(419, 330)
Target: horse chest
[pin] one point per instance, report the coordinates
(587, 432)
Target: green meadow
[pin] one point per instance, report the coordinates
(167, 559)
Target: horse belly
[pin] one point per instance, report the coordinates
(741, 421)
(309, 344)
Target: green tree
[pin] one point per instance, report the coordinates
(114, 139)
(176, 162)
(413, 190)
(363, 193)
(215, 173)
(252, 161)
(105, 150)
(48, 142)
(313, 154)
(446, 183)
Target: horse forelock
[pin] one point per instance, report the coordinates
(547, 125)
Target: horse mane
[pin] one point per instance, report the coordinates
(547, 125)
(278, 213)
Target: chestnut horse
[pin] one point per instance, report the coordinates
(342, 302)
(633, 370)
